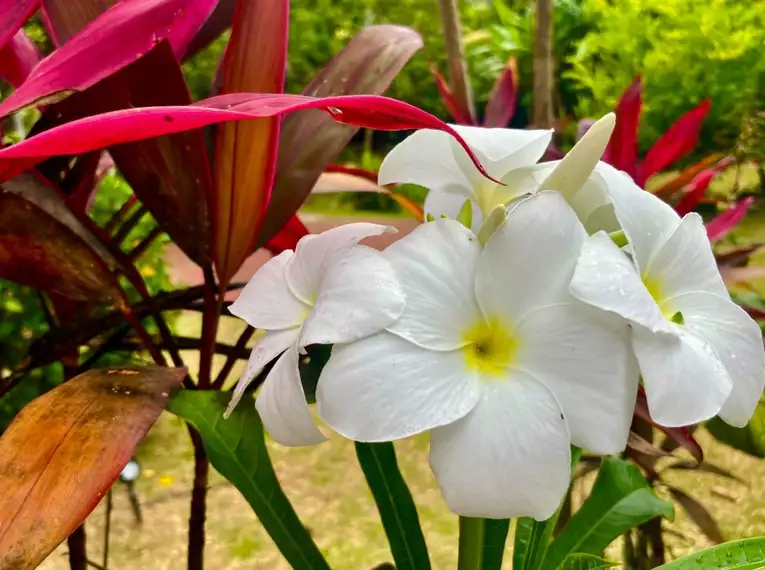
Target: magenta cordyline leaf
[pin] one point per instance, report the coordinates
(698, 186)
(17, 59)
(117, 38)
(718, 227)
(681, 435)
(128, 125)
(622, 149)
(502, 100)
(675, 143)
(460, 115)
(13, 14)
(288, 236)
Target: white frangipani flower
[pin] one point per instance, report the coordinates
(494, 355)
(330, 290)
(432, 159)
(699, 353)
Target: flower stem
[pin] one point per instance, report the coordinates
(471, 543)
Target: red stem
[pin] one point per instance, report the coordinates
(198, 503)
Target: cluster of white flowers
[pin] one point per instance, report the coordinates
(511, 339)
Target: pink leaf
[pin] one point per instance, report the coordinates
(370, 175)
(128, 125)
(622, 149)
(17, 58)
(696, 190)
(460, 115)
(718, 227)
(677, 142)
(117, 38)
(14, 14)
(502, 100)
(288, 236)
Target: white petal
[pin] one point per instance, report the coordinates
(685, 262)
(384, 388)
(575, 168)
(606, 278)
(737, 340)
(685, 383)
(425, 158)
(438, 203)
(266, 302)
(584, 357)
(306, 268)
(435, 265)
(509, 457)
(269, 347)
(529, 260)
(282, 405)
(500, 150)
(359, 296)
(647, 220)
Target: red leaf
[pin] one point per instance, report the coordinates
(64, 18)
(622, 149)
(128, 125)
(245, 153)
(65, 449)
(15, 13)
(682, 435)
(17, 58)
(288, 237)
(220, 19)
(696, 191)
(718, 227)
(502, 100)
(677, 142)
(460, 115)
(310, 141)
(117, 38)
(370, 175)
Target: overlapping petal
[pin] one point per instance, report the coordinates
(282, 406)
(528, 262)
(737, 341)
(509, 457)
(435, 265)
(271, 345)
(384, 388)
(684, 380)
(359, 296)
(306, 269)
(584, 357)
(266, 302)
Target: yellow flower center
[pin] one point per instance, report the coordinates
(655, 289)
(491, 348)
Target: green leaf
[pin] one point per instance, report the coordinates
(532, 537)
(586, 562)
(749, 439)
(495, 534)
(747, 554)
(620, 500)
(237, 449)
(395, 503)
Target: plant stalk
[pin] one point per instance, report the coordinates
(459, 81)
(210, 318)
(198, 511)
(76, 543)
(471, 543)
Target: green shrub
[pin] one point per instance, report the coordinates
(686, 51)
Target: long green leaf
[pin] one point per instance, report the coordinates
(532, 537)
(495, 535)
(237, 449)
(586, 562)
(620, 500)
(396, 506)
(747, 554)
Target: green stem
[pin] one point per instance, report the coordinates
(619, 238)
(471, 543)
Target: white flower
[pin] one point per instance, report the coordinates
(699, 353)
(330, 290)
(432, 159)
(494, 356)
